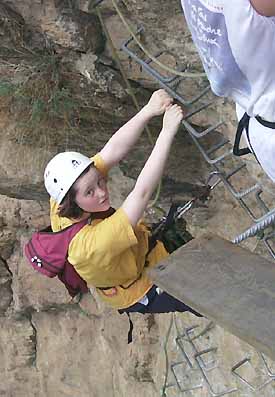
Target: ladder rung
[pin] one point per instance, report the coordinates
(217, 146)
(203, 152)
(213, 128)
(161, 79)
(233, 172)
(199, 109)
(247, 191)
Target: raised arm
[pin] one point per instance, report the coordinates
(136, 202)
(264, 7)
(125, 138)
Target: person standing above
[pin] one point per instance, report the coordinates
(236, 43)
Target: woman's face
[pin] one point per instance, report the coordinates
(92, 193)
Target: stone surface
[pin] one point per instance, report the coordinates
(61, 24)
(18, 353)
(6, 295)
(11, 26)
(227, 284)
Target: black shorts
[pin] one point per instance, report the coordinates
(159, 303)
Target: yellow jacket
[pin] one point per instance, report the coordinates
(111, 253)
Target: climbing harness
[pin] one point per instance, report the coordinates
(243, 125)
(169, 234)
(170, 230)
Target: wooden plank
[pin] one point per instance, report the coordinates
(227, 284)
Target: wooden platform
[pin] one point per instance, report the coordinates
(227, 284)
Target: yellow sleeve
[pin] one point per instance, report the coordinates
(57, 222)
(100, 164)
(102, 253)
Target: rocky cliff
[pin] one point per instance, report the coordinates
(60, 88)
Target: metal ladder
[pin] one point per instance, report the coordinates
(218, 153)
(196, 360)
(214, 155)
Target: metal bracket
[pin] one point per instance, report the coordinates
(245, 381)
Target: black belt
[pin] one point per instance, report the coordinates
(243, 125)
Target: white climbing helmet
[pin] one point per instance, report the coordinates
(62, 171)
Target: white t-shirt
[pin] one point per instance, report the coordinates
(237, 48)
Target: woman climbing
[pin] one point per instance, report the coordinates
(235, 40)
(112, 252)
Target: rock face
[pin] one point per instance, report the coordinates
(11, 26)
(76, 30)
(49, 345)
(5, 282)
(65, 26)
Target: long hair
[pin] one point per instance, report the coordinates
(68, 207)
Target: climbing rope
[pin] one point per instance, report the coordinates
(172, 321)
(117, 60)
(128, 87)
(146, 51)
(154, 59)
